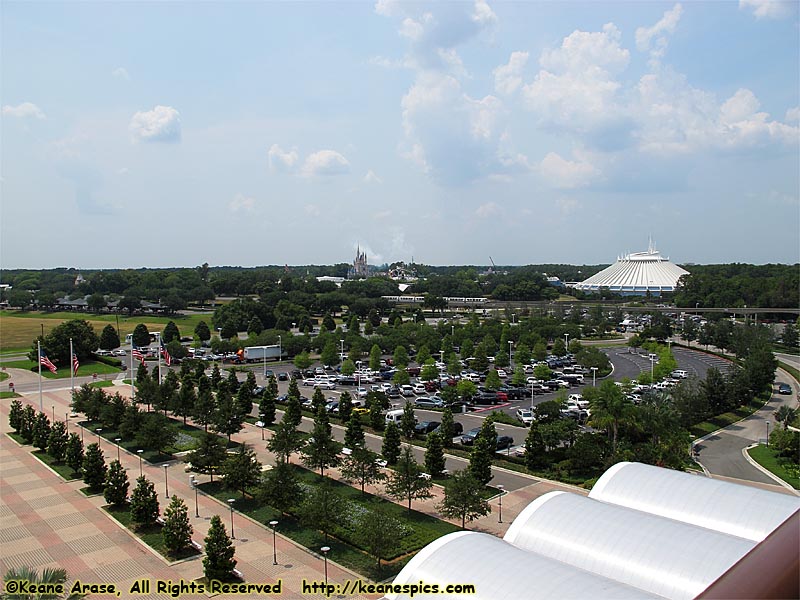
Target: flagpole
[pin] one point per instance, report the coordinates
(130, 373)
(159, 357)
(71, 370)
(39, 360)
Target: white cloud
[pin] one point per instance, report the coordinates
(768, 9)
(371, 177)
(654, 39)
(312, 210)
(23, 111)
(411, 29)
(382, 215)
(325, 163)
(162, 124)
(123, 171)
(567, 206)
(280, 160)
(242, 203)
(508, 77)
(577, 89)
(483, 14)
(488, 210)
(121, 73)
(562, 173)
(793, 115)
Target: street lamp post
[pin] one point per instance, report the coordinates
(341, 354)
(652, 365)
(566, 342)
(500, 500)
(594, 376)
(118, 440)
(97, 431)
(54, 413)
(193, 483)
(533, 382)
(325, 550)
(264, 357)
(274, 524)
(166, 482)
(510, 345)
(139, 452)
(767, 422)
(231, 501)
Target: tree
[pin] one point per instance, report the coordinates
(322, 509)
(609, 409)
(539, 351)
(27, 422)
(227, 419)
(280, 488)
(400, 358)
(329, 354)
(285, 441)
(429, 372)
(375, 357)
(15, 415)
(244, 400)
(94, 467)
(170, 333)
(348, 367)
(401, 377)
(353, 433)
(266, 408)
(109, 339)
(559, 347)
(116, 491)
(534, 447)
(185, 400)
(155, 432)
(462, 498)
(408, 421)
(209, 456)
(41, 431)
(57, 442)
(320, 452)
(49, 578)
(233, 381)
(434, 455)
(345, 407)
(391, 443)
(168, 391)
(177, 531)
(493, 381)
(302, 360)
(375, 404)
(56, 342)
(74, 453)
(242, 469)
(407, 481)
(447, 427)
(141, 335)
(483, 450)
(255, 326)
(542, 372)
(790, 337)
(361, 466)
(202, 331)
(204, 408)
(785, 415)
(219, 561)
(379, 533)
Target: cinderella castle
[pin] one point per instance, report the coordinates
(360, 269)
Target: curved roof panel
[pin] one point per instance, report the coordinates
(738, 510)
(502, 571)
(617, 543)
(639, 272)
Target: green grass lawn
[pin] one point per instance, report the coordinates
(63, 372)
(727, 418)
(783, 468)
(420, 529)
(150, 535)
(63, 470)
(4, 395)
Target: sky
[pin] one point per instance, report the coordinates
(159, 134)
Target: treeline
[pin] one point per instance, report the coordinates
(739, 285)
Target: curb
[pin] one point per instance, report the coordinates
(766, 472)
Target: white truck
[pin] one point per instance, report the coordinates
(257, 353)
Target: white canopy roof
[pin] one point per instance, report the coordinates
(636, 273)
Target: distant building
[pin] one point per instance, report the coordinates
(360, 268)
(337, 280)
(79, 280)
(636, 274)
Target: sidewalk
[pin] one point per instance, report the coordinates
(45, 521)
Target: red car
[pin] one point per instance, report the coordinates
(502, 397)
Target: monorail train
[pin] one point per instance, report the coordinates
(451, 300)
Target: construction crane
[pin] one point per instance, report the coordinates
(493, 267)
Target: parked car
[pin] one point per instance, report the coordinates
(283, 376)
(458, 428)
(525, 415)
(425, 427)
(407, 390)
(504, 441)
(428, 402)
(469, 438)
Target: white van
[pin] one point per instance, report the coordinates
(679, 374)
(394, 416)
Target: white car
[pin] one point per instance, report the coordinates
(419, 388)
(525, 415)
(501, 374)
(118, 352)
(325, 385)
(310, 382)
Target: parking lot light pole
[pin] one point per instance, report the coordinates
(193, 483)
(500, 500)
(231, 501)
(341, 354)
(325, 550)
(533, 382)
(767, 422)
(510, 345)
(274, 524)
(118, 440)
(594, 376)
(97, 431)
(139, 452)
(166, 482)
(566, 342)
(652, 366)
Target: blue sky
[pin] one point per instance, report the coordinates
(250, 133)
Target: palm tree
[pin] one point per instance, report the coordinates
(609, 409)
(785, 415)
(48, 576)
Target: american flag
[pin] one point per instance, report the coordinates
(165, 354)
(137, 354)
(45, 362)
(75, 364)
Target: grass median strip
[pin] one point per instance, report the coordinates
(150, 535)
(783, 468)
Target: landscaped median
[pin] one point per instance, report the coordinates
(781, 467)
(417, 529)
